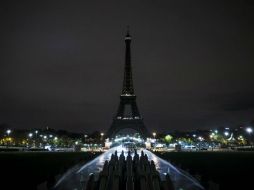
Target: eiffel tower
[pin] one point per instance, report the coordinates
(127, 118)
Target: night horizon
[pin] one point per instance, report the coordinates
(62, 64)
(127, 95)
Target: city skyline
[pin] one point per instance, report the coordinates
(62, 64)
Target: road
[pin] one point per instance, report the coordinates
(78, 175)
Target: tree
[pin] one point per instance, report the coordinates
(168, 139)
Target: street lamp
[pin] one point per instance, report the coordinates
(102, 134)
(8, 132)
(249, 130)
(30, 135)
(154, 134)
(36, 139)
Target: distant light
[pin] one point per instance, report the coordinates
(50, 136)
(36, 132)
(76, 142)
(45, 137)
(249, 130)
(30, 135)
(216, 131)
(48, 147)
(55, 138)
(194, 135)
(8, 131)
(154, 134)
(226, 133)
(227, 128)
(102, 134)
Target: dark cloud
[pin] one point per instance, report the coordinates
(240, 102)
(62, 63)
(239, 106)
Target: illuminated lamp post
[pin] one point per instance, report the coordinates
(85, 137)
(36, 138)
(30, 135)
(102, 135)
(8, 134)
(154, 135)
(249, 130)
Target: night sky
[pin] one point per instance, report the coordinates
(62, 63)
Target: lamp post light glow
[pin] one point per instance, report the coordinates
(249, 130)
(154, 135)
(102, 134)
(30, 135)
(8, 132)
(226, 133)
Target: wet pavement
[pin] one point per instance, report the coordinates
(76, 177)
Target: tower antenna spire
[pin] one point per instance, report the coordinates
(127, 82)
(128, 29)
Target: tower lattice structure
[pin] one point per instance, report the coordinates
(127, 118)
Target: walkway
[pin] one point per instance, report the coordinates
(75, 177)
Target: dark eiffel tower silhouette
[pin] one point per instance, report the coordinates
(123, 119)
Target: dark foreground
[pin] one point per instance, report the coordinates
(25, 170)
(114, 174)
(231, 170)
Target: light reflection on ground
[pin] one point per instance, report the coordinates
(75, 178)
